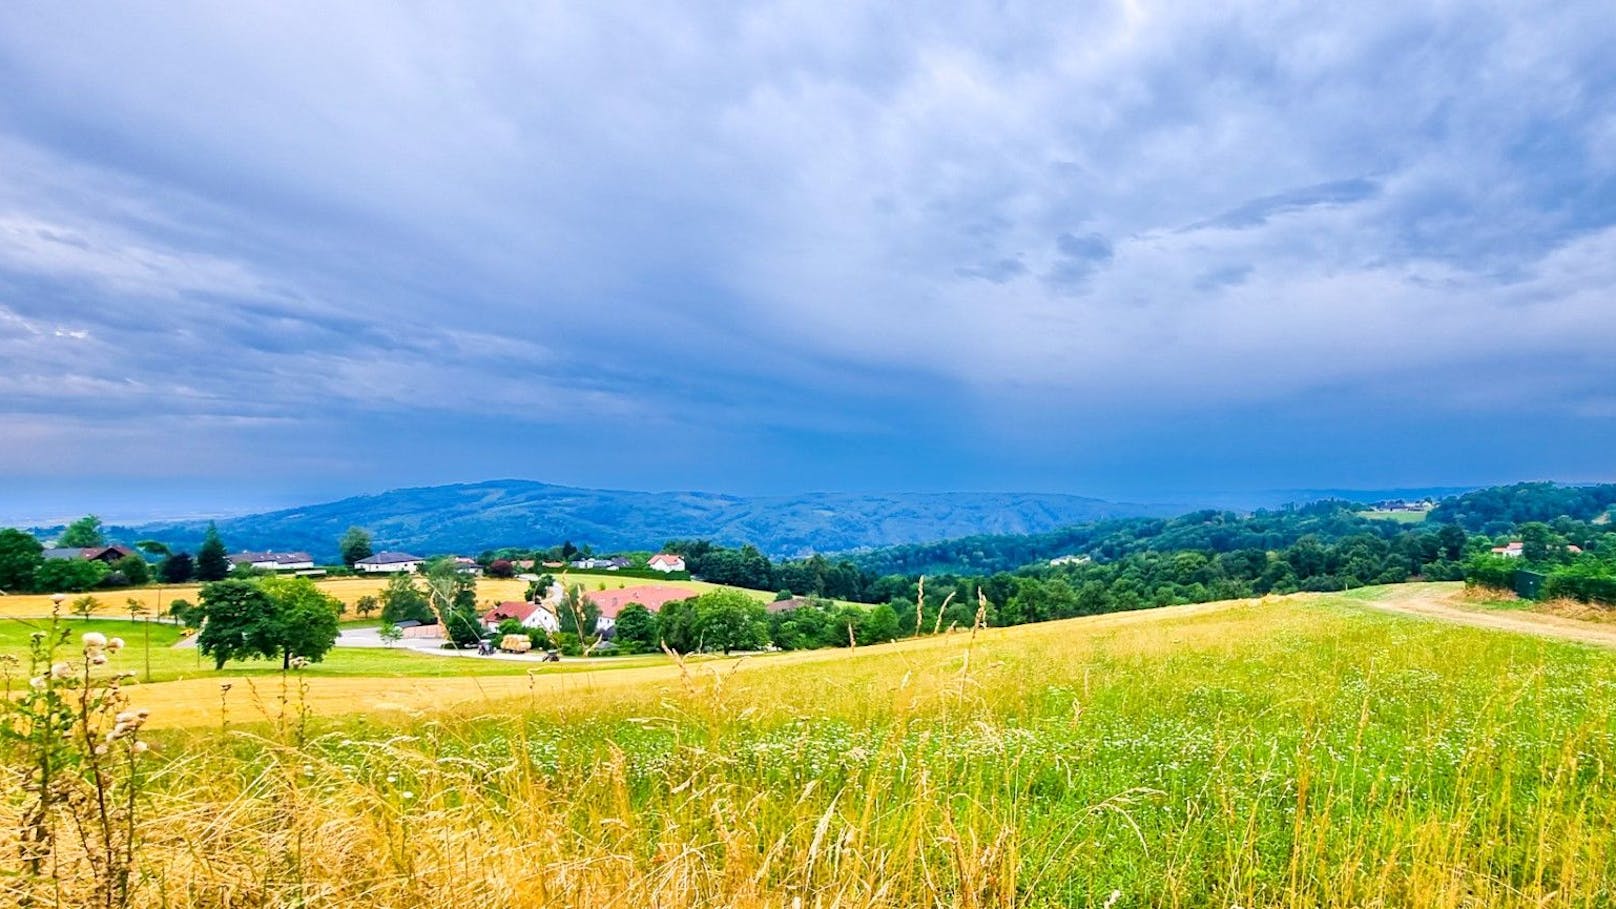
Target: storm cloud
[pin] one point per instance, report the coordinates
(313, 248)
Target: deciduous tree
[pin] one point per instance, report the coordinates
(305, 619)
(730, 620)
(134, 569)
(83, 533)
(238, 622)
(635, 630)
(177, 568)
(20, 558)
(68, 575)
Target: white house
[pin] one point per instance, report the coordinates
(531, 615)
(389, 563)
(274, 561)
(666, 563)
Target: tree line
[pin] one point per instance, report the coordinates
(1559, 559)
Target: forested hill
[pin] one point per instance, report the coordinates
(1208, 531)
(1496, 509)
(476, 516)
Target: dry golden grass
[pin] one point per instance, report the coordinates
(1297, 752)
(157, 598)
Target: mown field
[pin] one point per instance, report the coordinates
(1399, 517)
(156, 599)
(1305, 752)
(167, 663)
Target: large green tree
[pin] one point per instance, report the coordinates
(306, 623)
(879, 625)
(177, 568)
(355, 545)
(212, 560)
(239, 622)
(730, 620)
(677, 626)
(68, 575)
(403, 601)
(20, 558)
(635, 630)
(134, 569)
(83, 533)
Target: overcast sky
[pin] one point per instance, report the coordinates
(255, 254)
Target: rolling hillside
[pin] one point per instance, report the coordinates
(475, 516)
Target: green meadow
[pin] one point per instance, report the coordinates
(1293, 752)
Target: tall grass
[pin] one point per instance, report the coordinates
(1263, 755)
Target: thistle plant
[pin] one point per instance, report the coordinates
(70, 744)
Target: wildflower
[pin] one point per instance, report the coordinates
(127, 716)
(406, 795)
(115, 644)
(97, 659)
(61, 670)
(94, 639)
(37, 683)
(140, 747)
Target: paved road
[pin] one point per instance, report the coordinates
(371, 636)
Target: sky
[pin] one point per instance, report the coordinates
(256, 254)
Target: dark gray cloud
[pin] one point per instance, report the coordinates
(655, 247)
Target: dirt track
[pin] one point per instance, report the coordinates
(1444, 602)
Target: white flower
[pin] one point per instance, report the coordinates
(115, 644)
(37, 683)
(94, 639)
(97, 659)
(139, 747)
(406, 795)
(61, 670)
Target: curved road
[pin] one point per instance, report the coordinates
(1444, 602)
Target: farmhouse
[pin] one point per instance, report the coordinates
(389, 563)
(787, 604)
(274, 561)
(107, 554)
(666, 563)
(531, 615)
(1515, 549)
(651, 596)
(467, 566)
(592, 563)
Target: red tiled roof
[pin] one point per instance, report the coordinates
(517, 610)
(663, 558)
(651, 596)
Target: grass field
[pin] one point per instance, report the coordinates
(1400, 517)
(1305, 752)
(348, 590)
(156, 598)
(179, 664)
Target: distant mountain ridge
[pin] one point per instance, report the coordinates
(471, 517)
